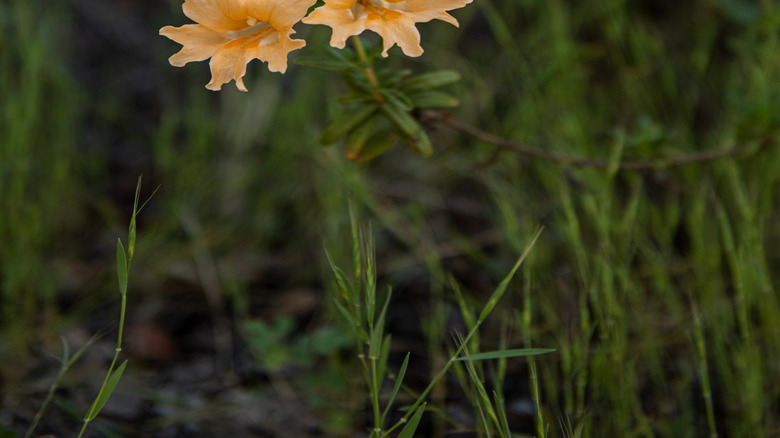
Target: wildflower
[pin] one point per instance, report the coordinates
(234, 32)
(393, 20)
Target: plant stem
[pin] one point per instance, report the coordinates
(503, 144)
(367, 69)
(91, 414)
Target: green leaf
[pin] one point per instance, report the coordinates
(389, 79)
(355, 98)
(375, 146)
(499, 401)
(499, 292)
(348, 292)
(434, 99)
(105, 392)
(131, 232)
(411, 426)
(325, 63)
(345, 123)
(398, 381)
(121, 267)
(358, 137)
(384, 355)
(397, 98)
(401, 119)
(346, 54)
(375, 346)
(421, 144)
(431, 80)
(501, 354)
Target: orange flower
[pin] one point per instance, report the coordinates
(234, 32)
(393, 20)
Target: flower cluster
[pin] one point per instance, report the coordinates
(234, 32)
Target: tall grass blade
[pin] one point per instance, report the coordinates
(499, 292)
(503, 354)
(377, 331)
(398, 381)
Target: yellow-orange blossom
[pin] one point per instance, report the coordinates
(393, 20)
(234, 32)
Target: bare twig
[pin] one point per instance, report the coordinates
(438, 117)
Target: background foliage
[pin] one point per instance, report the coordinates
(656, 288)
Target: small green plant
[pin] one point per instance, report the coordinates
(275, 345)
(124, 257)
(366, 314)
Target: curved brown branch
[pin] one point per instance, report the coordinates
(438, 117)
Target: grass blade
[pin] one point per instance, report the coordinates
(121, 267)
(499, 292)
(502, 354)
(504, 431)
(411, 426)
(398, 381)
(105, 393)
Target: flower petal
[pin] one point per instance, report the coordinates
(216, 14)
(393, 20)
(280, 13)
(234, 32)
(228, 63)
(198, 42)
(275, 54)
(396, 28)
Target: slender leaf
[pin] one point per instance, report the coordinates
(420, 143)
(499, 401)
(501, 354)
(345, 287)
(431, 80)
(384, 355)
(411, 426)
(484, 400)
(355, 98)
(131, 233)
(398, 99)
(375, 146)
(358, 138)
(121, 267)
(375, 347)
(400, 117)
(433, 99)
(499, 292)
(345, 123)
(398, 381)
(105, 392)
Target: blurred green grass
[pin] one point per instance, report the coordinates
(626, 261)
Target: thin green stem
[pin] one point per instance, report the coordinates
(124, 262)
(91, 414)
(375, 397)
(704, 375)
(367, 69)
